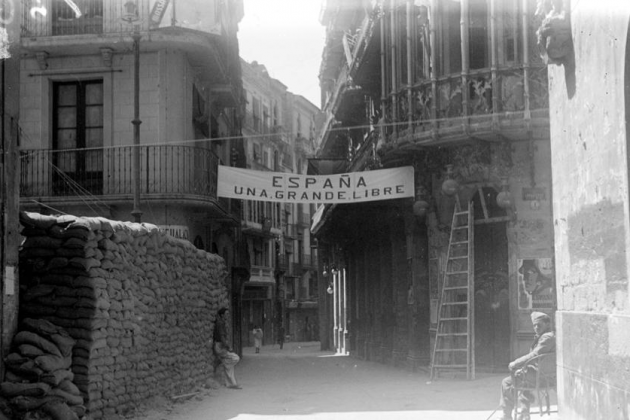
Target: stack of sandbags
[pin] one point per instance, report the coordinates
(139, 303)
(38, 377)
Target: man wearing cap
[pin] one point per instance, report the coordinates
(544, 342)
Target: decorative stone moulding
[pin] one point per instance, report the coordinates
(42, 59)
(106, 56)
(554, 34)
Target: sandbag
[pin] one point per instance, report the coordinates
(69, 398)
(38, 291)
(78, 409)
(28, 350)
(28, 370)
(12, 389)
(69, 387)
(25, 403)
(51, 362)
(57, 377)
(54, 333)
(11, 376)
(15, 359)
(27, 337)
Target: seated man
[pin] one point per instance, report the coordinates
(544, 342)
(222, 349)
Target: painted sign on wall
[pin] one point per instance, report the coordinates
(536, 283)
(355, 187)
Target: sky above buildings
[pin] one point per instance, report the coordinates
(287, 38)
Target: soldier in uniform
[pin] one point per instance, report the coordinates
(544, 342)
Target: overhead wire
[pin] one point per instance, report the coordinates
(235, 137)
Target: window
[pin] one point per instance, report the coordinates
(509, 45)
(77, 17)
(299, 125)
(421, 45)
(401, 46)
(451, 53)
(200, 119)
(256, 114)
(265, 127)
(257, 153)
(78, 125)
(479, 44)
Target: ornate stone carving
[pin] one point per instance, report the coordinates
(554, 34)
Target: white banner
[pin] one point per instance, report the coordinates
(354, 187)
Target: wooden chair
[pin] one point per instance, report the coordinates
(544, 380)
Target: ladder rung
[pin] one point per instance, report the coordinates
(454, 303)
(458, 258)
(453, 319)
(443, 350)
(450, 366)
(451, 334)
(460, 227)
(459, 242)
(457, 272)
(455, 288)
(459, 213)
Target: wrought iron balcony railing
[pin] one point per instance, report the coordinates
(309, 262)
(439, 104)
(164, 170)
(80, 17)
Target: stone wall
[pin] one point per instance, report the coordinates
(140, 304)
(589, 122)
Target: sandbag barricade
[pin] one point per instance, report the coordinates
(139, 303)
(39, 379)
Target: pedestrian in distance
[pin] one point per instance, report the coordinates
(523, 368)
(281, 337)
(258, 338)
(223, 350)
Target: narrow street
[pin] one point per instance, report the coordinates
(302, 381)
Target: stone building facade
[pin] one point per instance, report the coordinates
(279, 131)
(458, 91)
(127, 110)
(589, 94)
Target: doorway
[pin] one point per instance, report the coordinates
(492, 311)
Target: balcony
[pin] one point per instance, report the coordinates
(60, 18)
(509, 101)
(309, 262)
(290, 231)
(284, 265)
(261, 274)
(166, 173)
(55, 28)
(303, 219)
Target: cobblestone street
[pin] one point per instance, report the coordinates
(301, 381)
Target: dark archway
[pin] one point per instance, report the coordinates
(492, 311)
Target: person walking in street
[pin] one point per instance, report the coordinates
(521, 368)
(281, 337)
(258, 338)
(223, 350)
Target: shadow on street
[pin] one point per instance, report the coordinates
(301, 381)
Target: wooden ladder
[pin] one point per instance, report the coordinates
(454, 349)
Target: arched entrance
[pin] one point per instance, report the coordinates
(492, 313)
